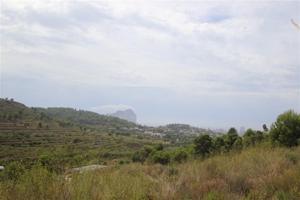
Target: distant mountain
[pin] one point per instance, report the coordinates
(128, 115)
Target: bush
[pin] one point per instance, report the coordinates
(142, 155)
(180, 156)
(219, 144)
(13, 171)
(286, 130)
(139, 156)
(148, 150)
(203, 145)
(160, 157)
(238, 144)
(77, 140)
(159, 147)
(52, 163)
(249, 137)
(252, 137)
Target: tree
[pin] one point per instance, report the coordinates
(219, 144)
(265, 128)
(286, 130)
(159, 147)
(161, 157)
(203, 145)
(232, 131)
(230, 138)
(77, 140)
(259, 136)
(249, 137)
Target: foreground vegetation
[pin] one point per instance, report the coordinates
(285, 132)
(255, 173)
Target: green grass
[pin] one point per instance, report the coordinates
(255, 173)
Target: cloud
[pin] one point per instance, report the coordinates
(134, 43)
(190, 48)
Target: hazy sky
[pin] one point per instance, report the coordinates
(210, 64)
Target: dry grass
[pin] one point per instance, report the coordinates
(257, 173)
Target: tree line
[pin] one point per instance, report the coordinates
(284, 132)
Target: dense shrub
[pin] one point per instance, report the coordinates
(219, 144)
(52, 162)
(251, 137)
(161, 157)
(203, 145)
(159, 147)
(77, 140)
(142, 155)
(180, 156)
(148, 150)
(139, 156)
(238, 144)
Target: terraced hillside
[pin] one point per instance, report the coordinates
(32, 134)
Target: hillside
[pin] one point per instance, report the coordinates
(85, 117)
(58, 117)
(88, 118)
(64, 136)
(11, 111)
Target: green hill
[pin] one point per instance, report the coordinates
(65, 136)
(12, 111)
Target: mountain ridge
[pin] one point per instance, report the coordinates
(127, 114)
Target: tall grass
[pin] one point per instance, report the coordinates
(255, 173)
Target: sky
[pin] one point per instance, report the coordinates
(212, 64)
